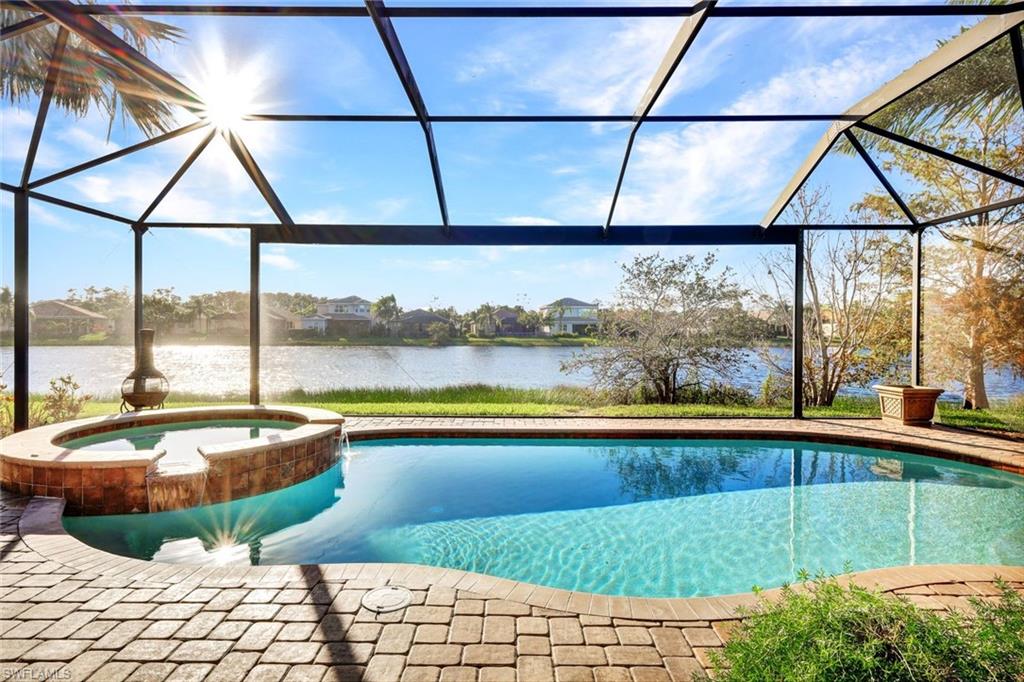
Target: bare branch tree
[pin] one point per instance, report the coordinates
(857, 309)
(673, 321)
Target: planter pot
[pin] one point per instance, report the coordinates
(910, 405)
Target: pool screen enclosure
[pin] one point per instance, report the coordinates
(1000, 23)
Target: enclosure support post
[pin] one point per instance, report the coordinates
(137, 318)
(798, 326)
(915, 310)
(21, 311)
(254, 316)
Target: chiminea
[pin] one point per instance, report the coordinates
(146, 386)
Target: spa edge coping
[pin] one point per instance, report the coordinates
(41, 446)
(41, 529)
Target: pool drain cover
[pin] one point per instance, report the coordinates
(387, 599)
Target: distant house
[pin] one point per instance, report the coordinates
(343, 317)
(415, 322)
(228, 323)
(316, 323)
(277, 322)
(60, 318)
(350, 305)
(569, 316)
(506, 321)
(776, 320)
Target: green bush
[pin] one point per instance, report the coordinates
(830, 632)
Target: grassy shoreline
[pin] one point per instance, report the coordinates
(482, 400)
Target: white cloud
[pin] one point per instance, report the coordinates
(494, 254)
(730, 172)
(332, 215)
(594, 70)
(527, 220)
(231, 237)
(276, 257)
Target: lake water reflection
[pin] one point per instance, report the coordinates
(224, 370)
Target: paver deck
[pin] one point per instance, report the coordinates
(72, 612)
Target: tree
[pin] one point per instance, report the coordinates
(386, 311)
(6, 307)
(974, 269)
(162, 309)
(485, 317)
(531, 320)
(673, 321)
(857, 305)
(89, 78)
(439, 333)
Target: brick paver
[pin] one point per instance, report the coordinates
(72, 613)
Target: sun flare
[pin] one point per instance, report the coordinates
(229, 89)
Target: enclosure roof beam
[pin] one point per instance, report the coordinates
(571, 235)
(941, 153)
(566, 235)
(30, 24)
(997, 206)
(564, 11)
(116, 155)
(880, 176)
(52, 75)
(682, 41)
(947, 56)
(68, 204)
(245, 157)
(189, 160)
(379, 14)
(550, 118)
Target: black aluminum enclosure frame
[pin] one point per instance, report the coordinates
(80, 20)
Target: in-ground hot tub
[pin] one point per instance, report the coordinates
(164, 460)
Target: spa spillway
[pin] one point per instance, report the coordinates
(163, 460)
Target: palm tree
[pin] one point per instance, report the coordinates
(486, 318)
(89, 78)
(386, 311)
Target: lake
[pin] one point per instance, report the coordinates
(224, 370)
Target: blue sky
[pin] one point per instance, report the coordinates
(519, 174)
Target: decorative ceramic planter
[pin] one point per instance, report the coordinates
(910, 405)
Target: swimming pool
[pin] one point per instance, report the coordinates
(181, 440)
(655, 518)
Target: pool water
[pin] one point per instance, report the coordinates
(656, 518)
(182, 440)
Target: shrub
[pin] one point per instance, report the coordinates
(832, 632)
(715, 393)
(439, 333)
(61, 404)
(775, 390)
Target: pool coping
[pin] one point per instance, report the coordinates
(933, 441)
(41, 530)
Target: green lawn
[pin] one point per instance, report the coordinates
(480, 400)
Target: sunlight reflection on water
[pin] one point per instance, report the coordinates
(223, 370)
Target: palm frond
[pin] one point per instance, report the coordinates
(89, 79)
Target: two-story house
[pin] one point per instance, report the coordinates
(569, 316)
(348, 316)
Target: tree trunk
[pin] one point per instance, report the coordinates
(975, 393)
